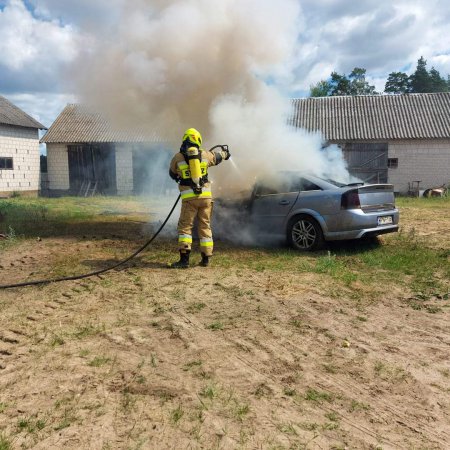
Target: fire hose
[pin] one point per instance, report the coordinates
(96, 272)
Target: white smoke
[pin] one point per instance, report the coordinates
(264, 143)
(221, 67)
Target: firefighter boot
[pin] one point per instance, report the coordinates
(183, 263)
(205, 260)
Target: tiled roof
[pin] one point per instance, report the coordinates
(78, 124)
(376, 117)
(12, 115)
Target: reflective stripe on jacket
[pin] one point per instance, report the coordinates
(189, 193)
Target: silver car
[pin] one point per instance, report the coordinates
(308, 210)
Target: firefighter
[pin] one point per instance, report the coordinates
(189, 168)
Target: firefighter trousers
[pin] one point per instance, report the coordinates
(200, 209)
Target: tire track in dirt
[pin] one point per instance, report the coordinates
(389, 412)
(9, 345)
(379, 404)
(271, 353)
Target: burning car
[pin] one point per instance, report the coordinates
(307, 210)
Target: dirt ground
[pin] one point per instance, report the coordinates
(223, 358)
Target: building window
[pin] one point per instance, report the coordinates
(6, 163)
(392, 163)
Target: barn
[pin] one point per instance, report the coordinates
(19, 151)
(399, 139)
(86, 155)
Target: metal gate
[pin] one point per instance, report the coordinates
(367, 161)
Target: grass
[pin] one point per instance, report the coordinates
(215, 326)
(400, 258)
(289, 391)
(390, 373)
(422, 203)
(87, 330)
(358, 406)
(195, 307)
(318, 396)
(30, 425)
(31, 217)
(176, 414)
(210, 392)
(99, 361)
(5, 443)
(241, 410)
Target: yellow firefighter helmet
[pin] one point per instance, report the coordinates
(193, 136)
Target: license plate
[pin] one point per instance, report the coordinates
(385, 220)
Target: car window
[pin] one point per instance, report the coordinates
(262, 189)
(290, 184)
(309, 186)
(281, 187)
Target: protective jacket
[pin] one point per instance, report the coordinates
(179, 171)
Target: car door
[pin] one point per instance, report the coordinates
(271, 204)
(313, 198)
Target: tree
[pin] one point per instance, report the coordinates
(438, 84)
(358, 83)
(340, 84)
(397, 83)
(420, 80)
(320, 89)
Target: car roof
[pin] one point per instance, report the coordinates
(321, 182)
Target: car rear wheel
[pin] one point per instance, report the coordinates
(305, 234)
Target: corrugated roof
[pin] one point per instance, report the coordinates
(78, 124)
(376, 117)
(12, 115)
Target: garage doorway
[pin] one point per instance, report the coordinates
(92, 169)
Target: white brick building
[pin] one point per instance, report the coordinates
(19, 151)
(399, 139)
(85, 155)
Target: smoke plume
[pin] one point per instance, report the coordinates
(221, 67)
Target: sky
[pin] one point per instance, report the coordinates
(47, 46)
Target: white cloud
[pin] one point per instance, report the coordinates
(42, 106)
(35, 54)
(26, 40)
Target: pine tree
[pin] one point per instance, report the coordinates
(358, 83)
(397, 83)
(340, 84)
(420, 80)
(438, 84)
(320, 89)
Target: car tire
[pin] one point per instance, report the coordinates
(304, 233)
